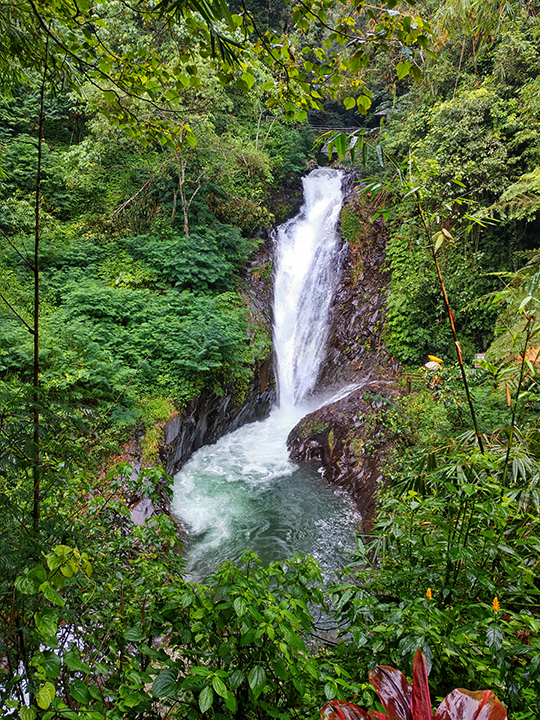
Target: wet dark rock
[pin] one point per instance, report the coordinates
(347, 439)
(356, 350)
(208, 418)
(348, 442)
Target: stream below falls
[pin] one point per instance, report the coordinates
(243, 492)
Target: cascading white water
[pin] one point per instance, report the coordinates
(307, 270)
(243, 493)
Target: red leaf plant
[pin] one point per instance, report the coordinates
(412, 702)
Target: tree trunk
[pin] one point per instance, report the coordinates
(36, 470)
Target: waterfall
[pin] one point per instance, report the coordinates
(307, 270)
(243, 492)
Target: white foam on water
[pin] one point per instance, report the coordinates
(243, 492)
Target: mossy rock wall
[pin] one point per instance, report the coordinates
(358, 315)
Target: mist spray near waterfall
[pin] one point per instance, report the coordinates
(243, 493)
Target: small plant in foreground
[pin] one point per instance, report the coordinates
(403, 701)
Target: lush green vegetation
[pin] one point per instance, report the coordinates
(461, 143)
(141, 150)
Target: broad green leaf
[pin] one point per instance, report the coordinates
(134, 634)
(494, 637)
(240, 606)
(236, 679)
(349, 103)
(330, 149)
(79, 691)
(105, 66)
(257, 680)
(230, 701)
(438, 239)
(47, 621)
(187, 599)
(206, 698)
(38, 574)
(248, 78)
(51, 594)
(330, 690)
(364, 103)
(165, 683)
(403, 69)
(28, 713)
(45, 695)
(364, 154)
(51, 663)
(73, 662)
(219, 686)
(341, 145)
(24, 585)
(95, 692)
(281, 669)
(133, 699)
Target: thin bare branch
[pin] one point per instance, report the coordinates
(19, 253)
(3, 297)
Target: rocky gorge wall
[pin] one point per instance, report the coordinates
(210, 416)
(347, 440)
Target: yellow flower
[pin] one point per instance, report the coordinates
(428, 594)
(496, 606)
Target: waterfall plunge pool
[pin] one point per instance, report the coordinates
(243, 492)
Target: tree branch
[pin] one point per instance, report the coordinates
(30, 330)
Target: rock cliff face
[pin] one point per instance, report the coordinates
(356, 351)
(347, 439)
(349, 442)
(210, 417)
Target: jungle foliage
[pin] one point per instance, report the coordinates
(461, 142)
(142, 148)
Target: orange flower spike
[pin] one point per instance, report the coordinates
(429, 594)
(496, 606)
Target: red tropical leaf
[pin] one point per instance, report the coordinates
(420, 700)
(340, 710)
(393, 690)
(465, 705)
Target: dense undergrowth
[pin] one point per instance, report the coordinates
(466, 139)
(142, 247)
(126, 295)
